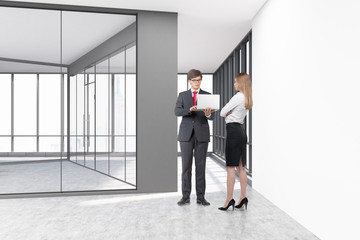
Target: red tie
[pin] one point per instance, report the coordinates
(194, 97)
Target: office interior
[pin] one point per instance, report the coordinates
(85, 125)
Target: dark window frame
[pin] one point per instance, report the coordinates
(223, 79)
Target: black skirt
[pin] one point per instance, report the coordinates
(235, 148)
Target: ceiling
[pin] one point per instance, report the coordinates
(35, 36)
(208, 30)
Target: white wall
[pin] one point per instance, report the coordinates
(306, 115)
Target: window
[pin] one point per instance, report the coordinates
(239, 61)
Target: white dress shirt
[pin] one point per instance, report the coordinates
(237, 106)
(192, 92)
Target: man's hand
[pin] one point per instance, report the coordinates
(208, 111)
(229, 113)
(193, 108)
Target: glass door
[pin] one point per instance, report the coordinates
(89, 140)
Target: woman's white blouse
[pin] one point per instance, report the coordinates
(237, 106)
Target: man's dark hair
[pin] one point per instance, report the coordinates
(193, 73)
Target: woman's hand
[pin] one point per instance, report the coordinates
(229, 113)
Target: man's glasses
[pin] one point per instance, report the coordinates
(196, 80)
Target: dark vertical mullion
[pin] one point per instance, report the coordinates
(95, 137)
(109, 138)
(221, 104)
(84, 117)
(216, 129)
(112, 111)
(227, 78)
(250, 112)
(218, 115)
(215, 119)
(125, 79)
(62, 111)
(231, 77)
(76, 118)
(234, 72)
(12, 112)
(214, 133)
(61, 96)
(37, 111)
(68, 116)
(237, 62)
(223, 81)
(243, 58)
(226, 87)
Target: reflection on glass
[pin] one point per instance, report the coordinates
(49, 104)
(73, 145)
(25, 144)
(73, 105)
(80, 105)
(119, 104)
(5, 106)
(25, 104)
(5, 144)
(89, 155)
(130, 145)
(130, 104)
(102, 155)
(49, 144)
(117, 163)
(102, 104)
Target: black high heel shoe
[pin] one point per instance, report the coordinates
(231, 203)
(244, 201)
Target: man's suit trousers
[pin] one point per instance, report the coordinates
(198, 150)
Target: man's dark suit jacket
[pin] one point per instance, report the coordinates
(192, 120)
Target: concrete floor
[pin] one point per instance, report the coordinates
(41, 176)
(148, 216)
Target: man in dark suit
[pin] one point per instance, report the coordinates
(194, 137)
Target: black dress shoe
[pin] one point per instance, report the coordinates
(183, 201)
(202, 201)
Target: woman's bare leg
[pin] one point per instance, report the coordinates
(243, 180)
(230, 184)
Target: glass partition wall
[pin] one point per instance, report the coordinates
(104, 121)
(58, 76)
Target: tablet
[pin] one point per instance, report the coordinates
(208, 100)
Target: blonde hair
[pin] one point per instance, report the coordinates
(244, 84)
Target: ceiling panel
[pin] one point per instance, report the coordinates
(208, 30)
(53, 36)
(30, 34)
(83, 31)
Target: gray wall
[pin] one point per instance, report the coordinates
(156, 92)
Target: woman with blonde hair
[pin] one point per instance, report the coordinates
(235, 151)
